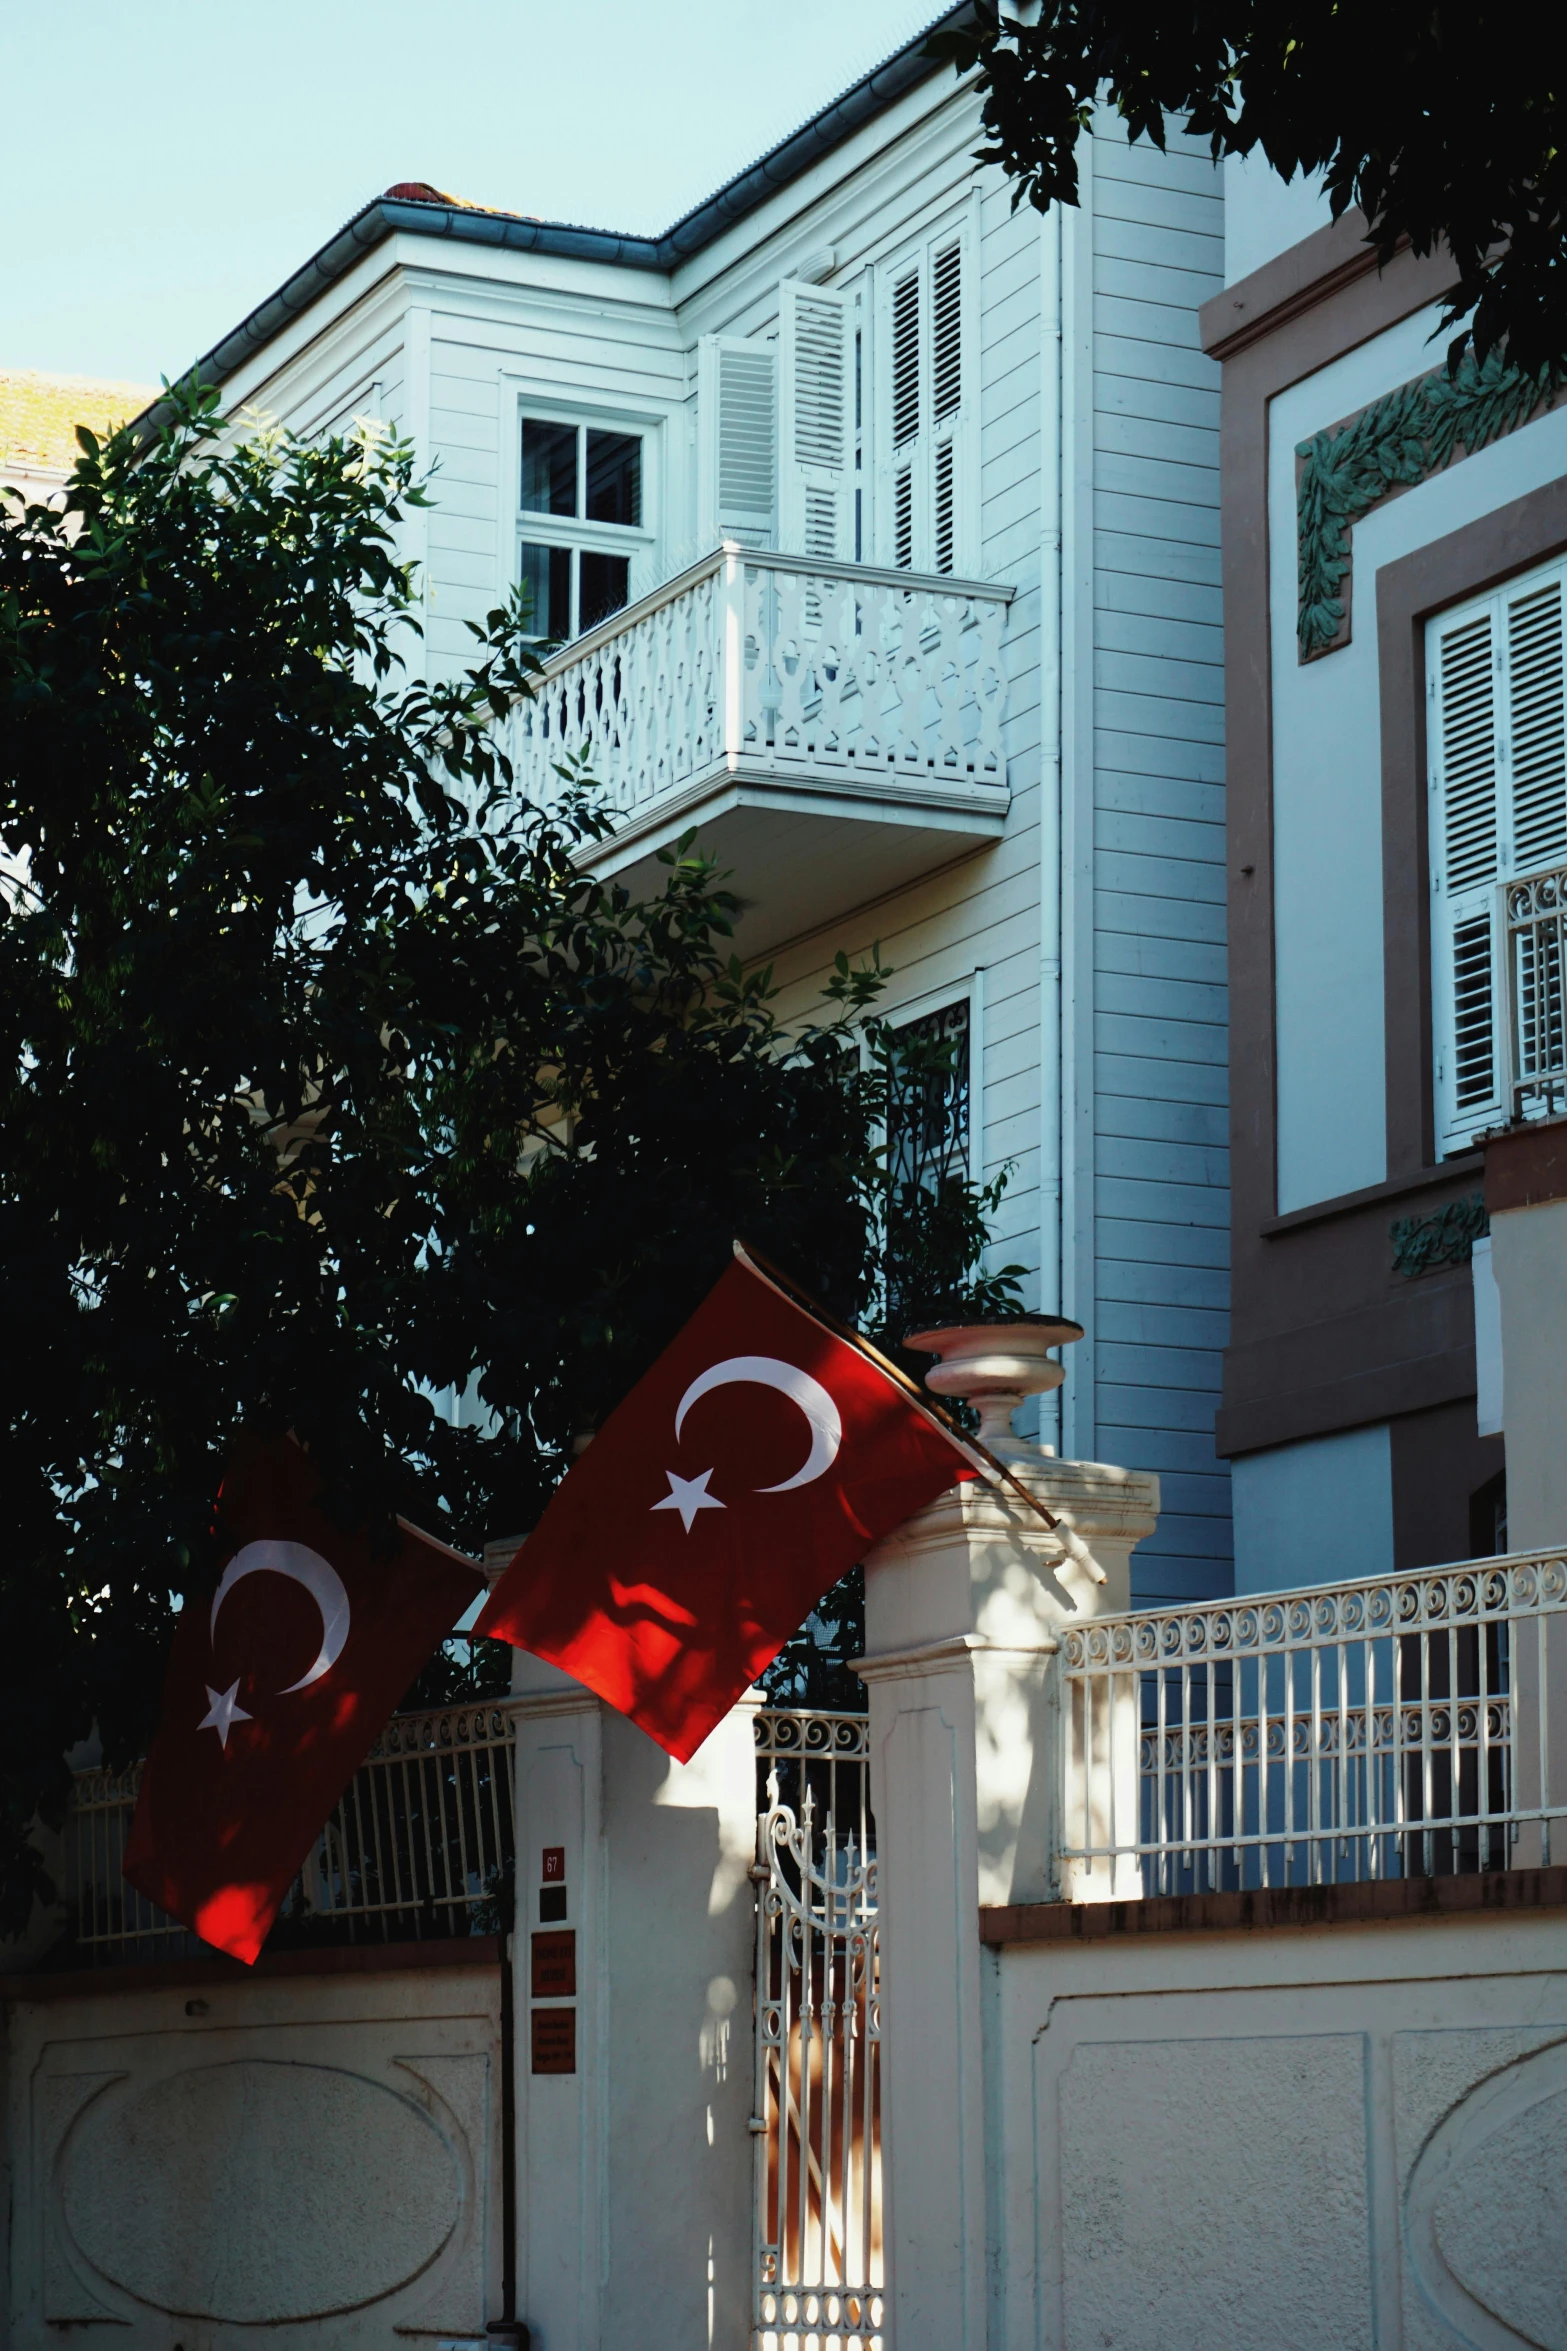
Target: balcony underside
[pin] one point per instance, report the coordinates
(800, 851)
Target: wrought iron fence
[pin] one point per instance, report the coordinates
(1397, 1727)
(421, 1845)
(819, 2273)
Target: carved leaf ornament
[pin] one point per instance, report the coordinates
(1395, 444)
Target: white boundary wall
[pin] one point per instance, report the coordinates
(1346, 2135)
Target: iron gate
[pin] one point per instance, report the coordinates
(819, 2277)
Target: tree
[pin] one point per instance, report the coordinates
(331, 1082)
(1446, 126)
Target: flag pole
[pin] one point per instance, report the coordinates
(1076, 1549)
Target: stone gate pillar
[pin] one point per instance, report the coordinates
(962, 1609)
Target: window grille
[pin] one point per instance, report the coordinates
(928, 1099)
(1498, 841)
(928, 1150)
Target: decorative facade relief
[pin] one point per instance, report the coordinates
(1394, 444)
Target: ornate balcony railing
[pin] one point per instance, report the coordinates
(775, 667)
(1399, 1727)
(421, 1844)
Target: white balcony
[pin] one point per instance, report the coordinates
(832, 732)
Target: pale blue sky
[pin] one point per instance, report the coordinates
(164, 164)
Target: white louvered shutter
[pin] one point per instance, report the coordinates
(1498, 759)
(928, 404)
(816, 408)
(946, 399)
(737, 424)
(907, 412)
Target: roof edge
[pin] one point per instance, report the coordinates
(386, 216)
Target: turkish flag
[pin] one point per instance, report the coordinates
(277, 1688)
(752, 1466)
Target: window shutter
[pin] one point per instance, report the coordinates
(1534, 738)
(903, 517)
(945, 534)
(1498, 817)
(737, 420)
(946, 333)
(905, 359)
(816, 387)
(928, 394)
(1465, 840)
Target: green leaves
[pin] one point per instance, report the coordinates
(1444, 125)
(331, 1082)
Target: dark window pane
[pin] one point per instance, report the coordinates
(928, 1105)
(606, 584)
(549, 467)
(928, 1234)
(615, 478)
(546, 577)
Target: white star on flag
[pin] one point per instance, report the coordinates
(688, 1496)
(223, 1713)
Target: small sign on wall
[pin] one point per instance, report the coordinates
(554, 2040)
(552, 1882)
(554, 1975)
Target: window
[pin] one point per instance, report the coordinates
(927, 393)
(582, 530)
(928, 1151)
(928, 1099)
(1498, 856)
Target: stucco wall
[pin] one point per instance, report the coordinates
(1345, 2135)
(318, 2155)
(1327, 808)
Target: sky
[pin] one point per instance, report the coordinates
(168, 165)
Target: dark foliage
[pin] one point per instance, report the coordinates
(1445, 125)
(330, 1082)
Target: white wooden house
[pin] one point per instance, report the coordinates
(861, 365)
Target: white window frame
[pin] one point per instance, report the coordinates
(1457, 1130)
(640, 542)
(969, 990)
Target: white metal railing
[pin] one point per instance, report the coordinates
(421, 1844)
(1397, 1727)
(1535, 911)
(818, 2275)
(774, 665)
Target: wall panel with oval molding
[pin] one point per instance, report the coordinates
(316, 2158)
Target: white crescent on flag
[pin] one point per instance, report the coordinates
(770, 1371)
(319, 1578)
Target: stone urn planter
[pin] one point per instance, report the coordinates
(996, 1366)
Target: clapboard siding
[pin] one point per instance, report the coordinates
(485, 335)
(1161, 1161)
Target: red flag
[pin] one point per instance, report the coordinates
(277, 1688)
(748, 1471)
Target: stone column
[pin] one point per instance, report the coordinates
(964, 1608)
(634, 2167)
(560, 2113)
